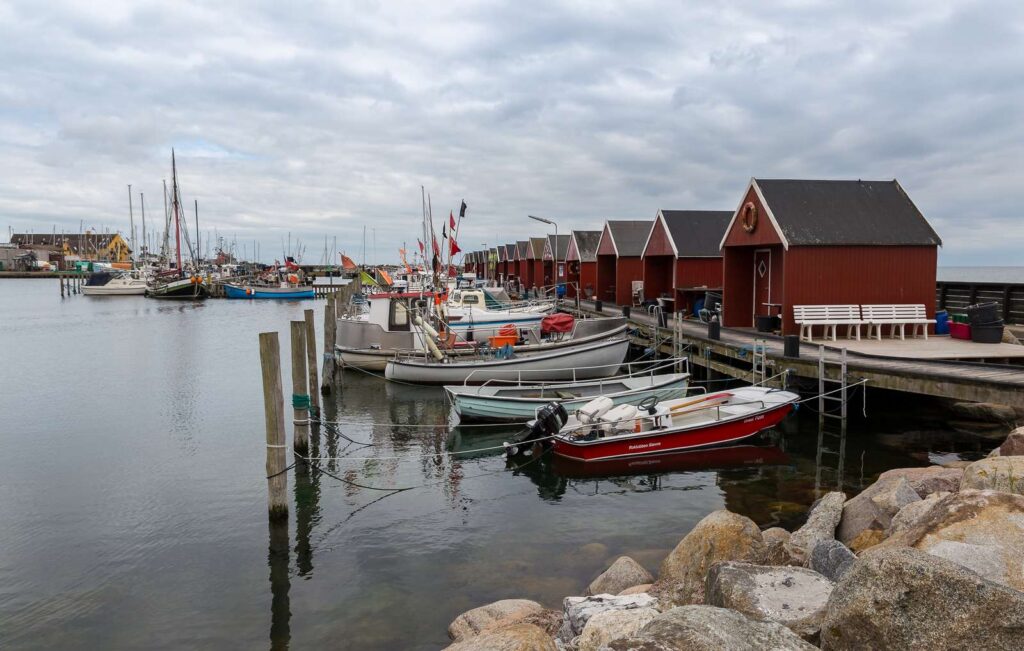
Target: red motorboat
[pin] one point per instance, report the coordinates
(720, 458)
(598, 431)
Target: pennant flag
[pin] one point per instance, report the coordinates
(347, 262)
(451, 220)
(422, 250)
(289, 264)
(437, 249)
(384, 275)
(462, 210)
(454, 246)
(444, 234)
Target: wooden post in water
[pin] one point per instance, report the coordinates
(300, 399)
(330, 325)
(273, 414)
(60, 279)
(314, 384)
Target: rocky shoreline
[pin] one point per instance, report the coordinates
(922, 558)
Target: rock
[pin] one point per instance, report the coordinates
(593, 552)
(821, 525)
(985, 411)
(720, 536)
(981, 530)
(1002, 473)
(512, 637)
(478, 620)
(623, 573)
(550, 621)
(959, 464)
(578, 610)
(867, 539)
(792, 596)
(1013, 446)
(610, 625)
(637, 589)
(876, 505)
(831, 559)
(775, 534)
(905, 599)
(910, 513)
(707, 628)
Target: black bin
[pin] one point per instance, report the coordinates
(791, 346)
(625, 310)
(983, 313)
(987, 333)
(764, 323)
(714, 330)
(711, 301)
(598, 305)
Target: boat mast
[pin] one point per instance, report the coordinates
(131, 219)
(197, 234)
(177, 218)
(145, 242)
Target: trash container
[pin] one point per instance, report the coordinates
(714, 329)
(791, 346)
(625, 310)
(942, 322)
(598, 305)
(982, 313)
(764, 323)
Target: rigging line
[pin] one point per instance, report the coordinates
(426, 456)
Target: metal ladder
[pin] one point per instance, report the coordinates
(759, 362)
(831, 443)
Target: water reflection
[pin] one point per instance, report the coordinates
(279, 559)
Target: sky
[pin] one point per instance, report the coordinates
(316, 120)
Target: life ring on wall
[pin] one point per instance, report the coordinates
(748, 217)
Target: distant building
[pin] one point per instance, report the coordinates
(619, 262)
(581, 263)
(682, 260)
(98, 247)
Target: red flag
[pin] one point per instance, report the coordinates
(422, 250)
(452, 271)
(454, 246)
(451, 219)
(347, 262)
(437, 249)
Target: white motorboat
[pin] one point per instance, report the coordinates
(584, 362)
(115, 283)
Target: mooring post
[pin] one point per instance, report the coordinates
(300, 399)
(330, 323)
(60, 279)
(314, 385)
(273, 414)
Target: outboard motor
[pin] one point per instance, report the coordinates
(550, 419)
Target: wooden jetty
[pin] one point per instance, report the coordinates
(733, 355)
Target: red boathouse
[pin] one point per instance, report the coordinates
(581, 263)
(619, 261)
(794, 242)
(682, 259)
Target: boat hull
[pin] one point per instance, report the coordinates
(577, 363)
(103, 290)
(286, 293)
(183, 290)
(496, 408)
(711, 458)
(662, 441)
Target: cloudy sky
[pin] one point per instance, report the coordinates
(320, 118)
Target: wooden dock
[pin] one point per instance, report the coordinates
(732, 355)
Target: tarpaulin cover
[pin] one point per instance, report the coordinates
(556, 323)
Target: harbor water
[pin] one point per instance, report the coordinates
(133, 495)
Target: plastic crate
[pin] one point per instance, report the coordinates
(958, 330)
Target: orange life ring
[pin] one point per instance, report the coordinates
(748, 217)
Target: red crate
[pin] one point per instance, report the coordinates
(960, 330)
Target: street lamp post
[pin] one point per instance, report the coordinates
(554, 252)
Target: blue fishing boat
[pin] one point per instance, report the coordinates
(257, 291)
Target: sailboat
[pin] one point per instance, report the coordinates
(173, 283)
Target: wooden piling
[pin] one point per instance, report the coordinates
(330, 325)
(60, 279)
(273, 414)
(313, 388)
(300, 399)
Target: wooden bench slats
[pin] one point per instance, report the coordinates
(896, 316)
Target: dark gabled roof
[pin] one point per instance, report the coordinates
(521, 247)
(510, 251)
(586, 244)
(537, 247)
(630, 235)
(821, 213)
(697, 233)
(560, 248)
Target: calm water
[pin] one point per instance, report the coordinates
(982, 274)
(132, 491)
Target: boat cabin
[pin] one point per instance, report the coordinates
(394, 312)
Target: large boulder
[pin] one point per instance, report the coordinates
(775, 550)
(1013, 446)
(512, 637)
(578, 610)
(720, 536)
(981, 530)
(831, 559)
(623, 573)
(1002, 473)
(911, 513)
(792, 596)
(478, 620)
(821, 525)
(707, 628)
(610, 625)
(875, 506)
(991, 412)
(903, 598)
(637, 589)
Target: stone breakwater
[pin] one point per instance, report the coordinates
(923, 558)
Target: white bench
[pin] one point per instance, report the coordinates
(828, 316)
(899, 316)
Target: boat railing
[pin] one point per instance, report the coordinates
(519, 372)
(652, 371)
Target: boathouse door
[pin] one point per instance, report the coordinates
(762, 281)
